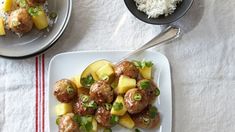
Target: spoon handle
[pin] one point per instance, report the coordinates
(167, 35)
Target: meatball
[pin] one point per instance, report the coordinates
(65, 90)
(135, 100)
(101, 92)
(20, 21)
(126, 68)
(67, 124)
(84, 106)
(148, 118)
(149, 88)
(104, 117)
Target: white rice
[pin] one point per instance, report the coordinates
(155, 8)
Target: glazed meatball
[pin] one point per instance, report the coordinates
(65, 91)
(67, 124)
(148, 118)
(104, 117)
(149, 88)
(84, 106)
(126, 68)
(20, 21)
(101, 92)
(135, 100)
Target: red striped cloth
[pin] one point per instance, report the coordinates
(40, 93)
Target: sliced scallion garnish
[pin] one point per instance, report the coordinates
(157, 92)
(87, 81)
(137, 97)
(153, 112)
(117, 106)
(114, 119)
(53, 15)
(70, 90)
(108, 106)
(84, 98)
(145, 84)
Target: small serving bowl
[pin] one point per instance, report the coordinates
(37, 41)
(180, 11)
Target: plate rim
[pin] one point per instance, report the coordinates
(106, 51)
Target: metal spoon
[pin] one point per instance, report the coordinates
(167, 35)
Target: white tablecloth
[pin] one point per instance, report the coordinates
(202, 64)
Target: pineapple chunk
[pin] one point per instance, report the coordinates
(146, 72)
(118, 107)
(104, 71)
(40, 20)
(126, 121)
(76, 81)
(2, 30)
(124, 84)
(63, 108)
(91, 70)
(7, 5)
(80, 88)
(94, 125)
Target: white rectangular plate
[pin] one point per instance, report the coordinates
(66, 65)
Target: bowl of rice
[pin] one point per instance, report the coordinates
(158, 12)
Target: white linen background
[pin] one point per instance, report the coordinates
(202, 62)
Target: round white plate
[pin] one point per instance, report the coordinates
(37, 41)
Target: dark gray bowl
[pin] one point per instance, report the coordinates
(180, 11)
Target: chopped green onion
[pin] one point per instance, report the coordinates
(107, 130)
(117, 106)
(89, 126)
(114, 119)
(87, 81)
(86, 119)
(146, 120)
(137, 130)
(77, 118)
(85, 123)
(137, 63)
(137, 97)
(108, 106)
(90, 104)
(82, 128)
(84, 98)
(70, 90)
(86, 127)
(157, 92)
(153, 112)
(145, 84)
(142, 64)
(33, 11)
(15, 23)
(53, 15)
(148, 63)
(22, 3)
(58, 120)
